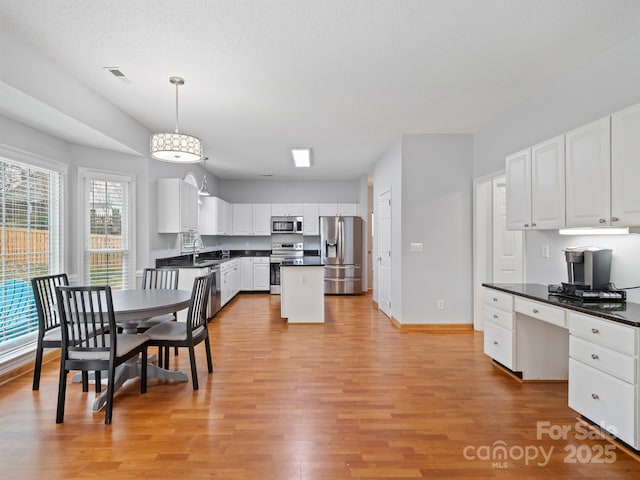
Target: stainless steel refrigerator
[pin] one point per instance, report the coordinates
(341, 252)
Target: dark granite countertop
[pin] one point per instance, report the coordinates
(622, 312)
(208, 259)
(306, 262)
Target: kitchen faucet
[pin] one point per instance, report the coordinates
(195, 249)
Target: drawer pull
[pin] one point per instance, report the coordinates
(495, 316)
(595, 396)
(595, 331)
(535, 310)
(495, 299)
(495, 342)
(594, 356)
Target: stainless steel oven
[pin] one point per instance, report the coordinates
(279, 253)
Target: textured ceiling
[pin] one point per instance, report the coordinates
(346, 78)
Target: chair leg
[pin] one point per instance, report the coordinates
(166, 358)
(37, 368)
(62, 390)
(194, 373)
(98, 378)
(207, 346)
(110, 385)
(143, 373)
(160, 361)
(85, 381)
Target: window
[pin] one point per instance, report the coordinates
(30, 244)
(108, 234)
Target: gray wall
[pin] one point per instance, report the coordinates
(607, 84)
(290, 191)
(437, 212)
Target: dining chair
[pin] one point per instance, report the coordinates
(49, 335)
(190, 333)
(162, 278)
(90, 341)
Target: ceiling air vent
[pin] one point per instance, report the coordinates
(116, 72)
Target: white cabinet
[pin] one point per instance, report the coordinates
(625, 167)
(333, 209)
(311, 223)
(536, 186)
(177, 206)
(499, 331)
(230, 280)
(215, 216)
(548, 184)
(287, 209)
(262, 219)
(242, 219)
(588, 175)
(603, 374)
(246, 273)
(518, 174)
(252, 219)
(261, 273)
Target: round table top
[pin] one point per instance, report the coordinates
(140, 304)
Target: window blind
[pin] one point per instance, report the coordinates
(30, 244)
(108, 248)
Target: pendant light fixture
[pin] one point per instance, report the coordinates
(176, 147)
(203, 189)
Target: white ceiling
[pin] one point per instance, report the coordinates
(346, 78)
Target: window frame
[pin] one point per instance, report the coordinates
(16, 350)
(84, 175)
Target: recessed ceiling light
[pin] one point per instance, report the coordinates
(301, 157)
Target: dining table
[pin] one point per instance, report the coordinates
(131, 308)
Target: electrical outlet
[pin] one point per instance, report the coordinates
(440, 305)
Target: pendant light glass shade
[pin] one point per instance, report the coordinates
(203, 189)
(176, 147)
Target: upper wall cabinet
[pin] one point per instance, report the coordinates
(535, 186)
(311, 223)
(287, 209)
(625, 167)
(215, 216)
(333, 209)
(518, 168)
(251, 219)
(177, 206)
(588, 175)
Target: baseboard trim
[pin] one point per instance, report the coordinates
(432, 327)
(28, 367)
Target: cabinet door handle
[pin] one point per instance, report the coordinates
(594, 356)
(526, 225)
(595, 396)
(495, 316)
(595, 331)
(602, 220)
(614, 219)
(495, 342)
(533, 224)
(535, 310)
(495, 299)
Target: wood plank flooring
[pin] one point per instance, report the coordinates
(351, 399)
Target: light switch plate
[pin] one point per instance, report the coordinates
(416, 247)
(544, 251)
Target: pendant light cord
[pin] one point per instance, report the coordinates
(177, 129)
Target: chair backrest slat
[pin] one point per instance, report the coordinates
(197, 314)
(160, 278)
(87, 317)
(45, 299)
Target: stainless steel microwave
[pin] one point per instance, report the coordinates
(286, 225)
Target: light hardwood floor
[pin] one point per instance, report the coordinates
(353, 398)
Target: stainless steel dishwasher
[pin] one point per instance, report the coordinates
(215, 296)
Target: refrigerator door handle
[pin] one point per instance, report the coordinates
(341, 240)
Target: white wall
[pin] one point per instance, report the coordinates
(437, 213)
(607, 84)
(290, 191)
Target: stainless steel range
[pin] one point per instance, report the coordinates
(283, 247)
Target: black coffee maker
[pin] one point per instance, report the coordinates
(588, 268)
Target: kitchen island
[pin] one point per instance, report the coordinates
(302, 290)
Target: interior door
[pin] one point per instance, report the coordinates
(508, 263)
(384, 252)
